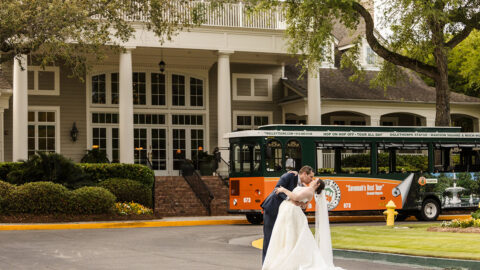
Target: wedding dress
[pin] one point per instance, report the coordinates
(292, 244)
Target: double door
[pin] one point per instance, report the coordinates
(164, 149)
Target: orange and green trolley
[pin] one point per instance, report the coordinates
(423, 170)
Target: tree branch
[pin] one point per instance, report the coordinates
(394, 58)
(459, 37)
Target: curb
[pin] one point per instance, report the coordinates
(115, 225)
(407, 259)
(396, 258)
(175, 222)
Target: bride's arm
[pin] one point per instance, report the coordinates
(304, 194)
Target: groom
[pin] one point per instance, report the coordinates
(271, 204)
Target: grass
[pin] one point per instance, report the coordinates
(407, 239)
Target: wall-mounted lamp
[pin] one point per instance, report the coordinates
(74, 132)
(95, 146)
(200, 148)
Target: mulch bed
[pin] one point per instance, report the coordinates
(31, 218)
(459, 230)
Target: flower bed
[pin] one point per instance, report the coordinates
(131, 208)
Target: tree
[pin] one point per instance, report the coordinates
(464, 66)
(420, 30)
(70, 31)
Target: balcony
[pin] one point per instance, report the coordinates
(228, 15)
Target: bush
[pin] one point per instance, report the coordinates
(127, 190)
(5, 190)
(476, 214)
(51, 167)
(38, 198)
(91, 200)
(129, 208)
(95, 156)
(7, 167)
(101, 172)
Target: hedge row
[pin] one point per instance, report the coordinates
(127, 190)
(50, 198)
(18, 173)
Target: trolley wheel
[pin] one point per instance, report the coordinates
(430, 210)
(255, 218)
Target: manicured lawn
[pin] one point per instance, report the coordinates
(413, 239)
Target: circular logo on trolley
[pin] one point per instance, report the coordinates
(332, 193)
(422, 181)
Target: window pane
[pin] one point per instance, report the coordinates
(178, 90)
(114, 86)
(46, 80)
(158, 89)
(50, 116)
(261, 87)
(196, 92)
(42, 117)
(139, 87)
(31, 116)
(243, 87)
(98, 89)
(31, 80)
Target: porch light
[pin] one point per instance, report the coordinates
(200, 148)
(138, 148)
(74, 132)
(179, 151)
(162, 66)
(95, 146)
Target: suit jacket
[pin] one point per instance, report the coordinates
(273, 201)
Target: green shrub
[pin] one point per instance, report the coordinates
(51, 167)
(38, 198)
(91, 200)
(95, 156)
(101, 172)
(476, 214)
(7, 167)
(5, 190)
(127, 190)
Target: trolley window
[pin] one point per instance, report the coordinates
(274, 155)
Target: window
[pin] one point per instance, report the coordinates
(114, 88)
(42, 130)
(158, 89)
(107, 140)
(139, 88)
(149, 119)
(43, 81)
(196, 92)
(98, 89)
(252, 87)
(140, 144)
(273, 156)
(247, 120)
(178, 90)
(179, 119)
(159, 149)
(105, 118)
(371, 56)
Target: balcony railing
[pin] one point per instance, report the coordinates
(226, 15)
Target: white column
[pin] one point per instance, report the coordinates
(126, 107)
(375, 120)
(224, 105)
(20, 108)
(314, 99)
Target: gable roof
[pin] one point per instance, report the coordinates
(336, 85)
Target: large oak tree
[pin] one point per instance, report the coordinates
(74, 30)
(423, 33)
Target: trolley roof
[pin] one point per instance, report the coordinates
(355, 132)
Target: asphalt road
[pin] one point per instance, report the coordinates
(199, 247)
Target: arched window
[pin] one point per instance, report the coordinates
(273, 156)
(293, 155)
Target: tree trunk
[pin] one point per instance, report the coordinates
(442, 117)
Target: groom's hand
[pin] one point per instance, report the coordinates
(293, 172)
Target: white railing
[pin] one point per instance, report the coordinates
(226, 15)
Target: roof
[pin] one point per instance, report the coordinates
(335, 84)
(4, 84)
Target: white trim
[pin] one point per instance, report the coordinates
(55, 109)
(252, 114)
(56, 83)
(252, 78)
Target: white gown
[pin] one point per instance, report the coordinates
(292, 244)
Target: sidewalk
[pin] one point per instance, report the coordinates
(179, 221)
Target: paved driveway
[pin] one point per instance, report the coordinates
(200, 247)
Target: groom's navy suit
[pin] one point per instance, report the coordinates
(270, 207)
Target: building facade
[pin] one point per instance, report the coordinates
(226, 75)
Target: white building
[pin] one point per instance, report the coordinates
(231, 73)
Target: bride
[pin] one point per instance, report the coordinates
(292, 245)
